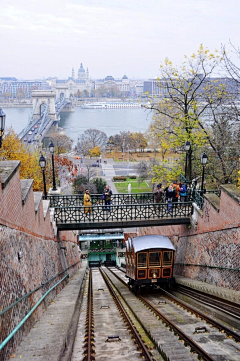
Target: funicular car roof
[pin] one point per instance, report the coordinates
(151, 241)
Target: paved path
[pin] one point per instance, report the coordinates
(48, 339)
(109, 173)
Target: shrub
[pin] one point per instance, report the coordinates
(119, 178)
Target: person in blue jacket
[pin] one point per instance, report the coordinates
(182, 192)
(170, 194)
(107, 194)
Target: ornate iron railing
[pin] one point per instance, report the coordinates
(215, 191)
(122, 212)
(96, 199)
(124, 207)
(197, 198)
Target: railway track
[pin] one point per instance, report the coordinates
(209, 339)
(110, 333)
(230, 308)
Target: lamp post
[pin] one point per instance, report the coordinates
(2, 125)
(204, 159)
(123, 147)
(42, 163)
(188, 162)
(52, 149)
(128, 161)
(80, 140)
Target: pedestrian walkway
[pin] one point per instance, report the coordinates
(53, 335)
(109, 173)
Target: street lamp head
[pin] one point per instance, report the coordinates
(204, 159)
(187, 146)
(42, 162)
(2, 121)
(51, 147)
(2, 125)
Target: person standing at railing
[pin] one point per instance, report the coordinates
(158, 194)
(182, 192)
(170, 194)
(107, 194)
(87, 202)
(176, 189)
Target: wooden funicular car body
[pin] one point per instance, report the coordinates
(149, 261)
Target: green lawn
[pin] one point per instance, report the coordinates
(142, 187)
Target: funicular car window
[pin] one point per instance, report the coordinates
(154, 259)
(142, 259)
(167, 272)
(167, 258)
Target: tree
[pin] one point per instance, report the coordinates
(95, 152)
(157, 140)
(121, 141)
(63, 143)
(143, 170)
(63, 170)
(80, 184)
(138, 141)
(92, 138)
(100, 184)
(14, 149)
(192, 97)
(95, 186)
(86, 93)
(239, 178)
(223, 135)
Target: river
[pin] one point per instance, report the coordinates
(110, 121)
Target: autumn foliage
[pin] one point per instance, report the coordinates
(14, 149)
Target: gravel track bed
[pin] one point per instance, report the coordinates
(168, 343)
(217, 344)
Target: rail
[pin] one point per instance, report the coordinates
(96, 199)
(121, 199)
(122, 212)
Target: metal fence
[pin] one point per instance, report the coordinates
(70, 208)
(121, 212)
(96, 199)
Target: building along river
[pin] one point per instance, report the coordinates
(110, 121)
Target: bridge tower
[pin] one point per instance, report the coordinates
(62, 91)
(41, 100)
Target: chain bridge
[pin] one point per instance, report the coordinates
(45, 115)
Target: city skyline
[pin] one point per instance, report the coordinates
(109, 37)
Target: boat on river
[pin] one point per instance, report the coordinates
(111, 105)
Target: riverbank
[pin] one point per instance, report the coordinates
(15, 105)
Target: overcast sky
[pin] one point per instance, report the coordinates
(42, 38)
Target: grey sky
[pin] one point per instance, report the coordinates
(41, 38)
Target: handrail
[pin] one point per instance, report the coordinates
(99, 213)
(36, 289)
(8, 338)
(206, 266)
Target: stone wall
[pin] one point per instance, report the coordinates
(26, 263)
(209, 249)
(30, 254)
(20, 207)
